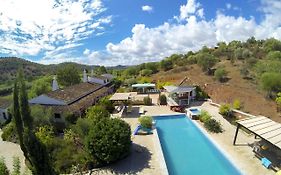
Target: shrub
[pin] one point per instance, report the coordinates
(107, 104)
(206, 60)
(109, 140)
(96, 113)
(70, 118)
(16, 166)
(41, 115)
(147, 101)
(45, 134)
(200, 94)
(220, 74)
(82, 127)
(163, 99)
(278, 101)
(146, 121)
(10, 133)
(3, 168)
(271, 82)
(213, 126)
(146, 72)
(204, 116)
(236, 104)
(225, 110)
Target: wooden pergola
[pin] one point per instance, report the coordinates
(262, 127)
(120, 97)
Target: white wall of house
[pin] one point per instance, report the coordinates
(193, 94)
(3, 115)
(98, 80)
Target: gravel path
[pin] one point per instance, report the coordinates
(8, 150)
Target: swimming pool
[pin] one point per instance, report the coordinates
(188, 151)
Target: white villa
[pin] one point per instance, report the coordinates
(77, 98)
(180, 95)
(4, 105)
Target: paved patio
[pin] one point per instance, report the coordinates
(241, 154)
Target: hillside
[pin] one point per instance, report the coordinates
(248, 71)
(10, 65)
(252, 98)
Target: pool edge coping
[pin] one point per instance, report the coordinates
(220, 149)
(160, 155)
(208, 136)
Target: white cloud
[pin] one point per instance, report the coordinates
(147, 8)
(86, 52)
(153, 44)
(190, 8)
(30, 27)
(228, 5)
(190, 31)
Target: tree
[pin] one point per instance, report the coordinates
(146, 72)
(131, 71)
(206, 61)
(152, 66)
(272, 45)
(40, 86)
(17, 116)
(109, 140)
(68, 75)
(271, 82)
(274, 55)
(34, 151)
(101, 70)
(264, 66)
(220, 74)
(166, 65)
(238, 53)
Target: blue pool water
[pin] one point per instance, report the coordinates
(188, 151)
(195, 111)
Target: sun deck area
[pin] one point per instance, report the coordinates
(144, 145)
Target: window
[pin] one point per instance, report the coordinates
(57, 116)
(4, 116)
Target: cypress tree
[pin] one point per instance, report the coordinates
(24, 107)
(18, 121)
(34, 151)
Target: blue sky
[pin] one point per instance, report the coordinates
(127, 32)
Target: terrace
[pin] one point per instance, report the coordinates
(145, 157)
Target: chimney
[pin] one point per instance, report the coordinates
(85, 78)
(55, 85)
(92, 73)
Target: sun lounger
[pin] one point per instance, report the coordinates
(141, 110)
(266, 162)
